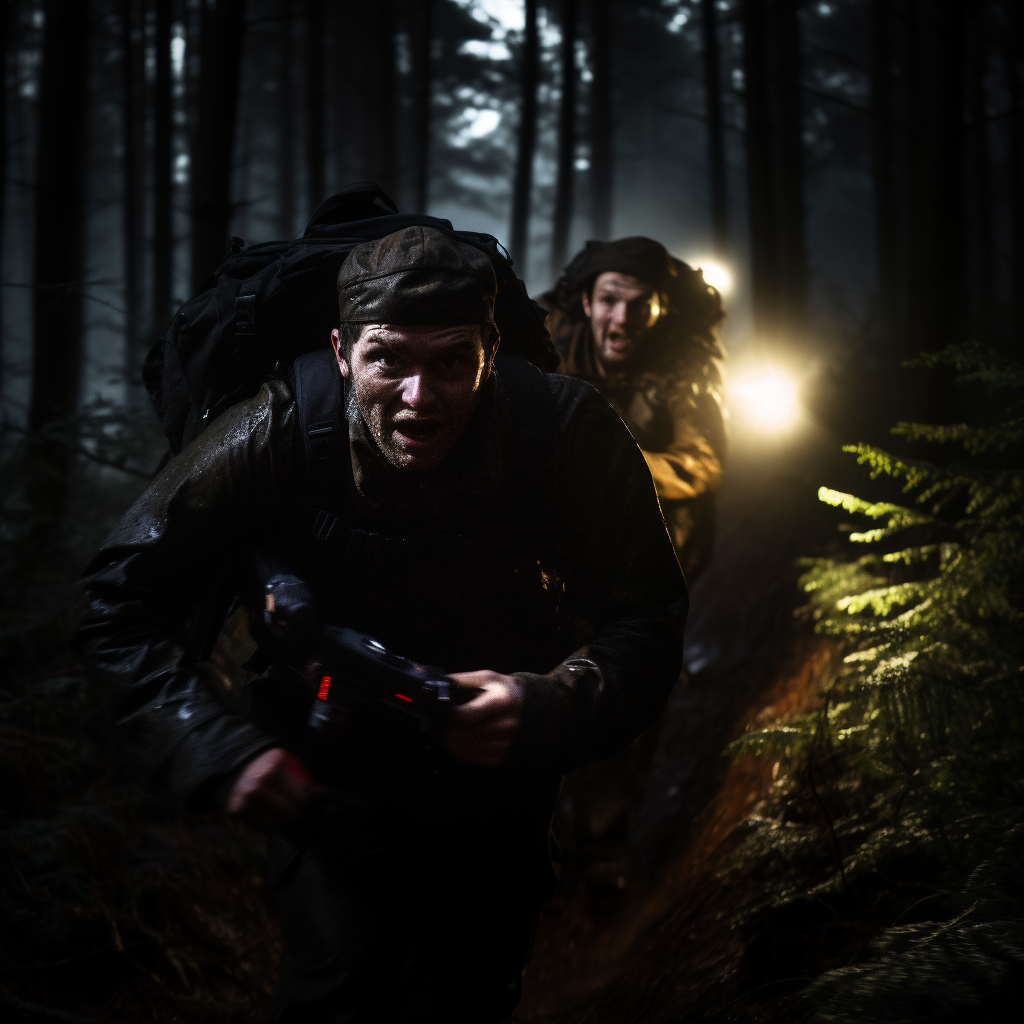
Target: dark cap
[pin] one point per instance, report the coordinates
(639, 257)
(418, 275)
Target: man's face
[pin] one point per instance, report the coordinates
(621, 309)
(416, 387)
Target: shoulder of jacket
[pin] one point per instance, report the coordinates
(270, 411)
(573, 397)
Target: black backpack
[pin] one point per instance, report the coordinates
(273, 302)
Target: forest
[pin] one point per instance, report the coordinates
(829, 825)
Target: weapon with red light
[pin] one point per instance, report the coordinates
(353, 668)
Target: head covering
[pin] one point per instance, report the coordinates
(639, 257)
(418, 275)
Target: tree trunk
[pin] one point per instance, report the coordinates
(163, 237)
(791, 218)
(220, 62)
(382, 35)
(59, 240)
(522, 185)
(133, 84)
(717, 189)
(760, 172)
(980, 178)
(316, 124)
(286, 126)
(6, 36)
(368, 90)
(936, 316)
(601, 122)
(1012, 53)
(883, 171)
(422, 103)
(59, 214)
(566, 142)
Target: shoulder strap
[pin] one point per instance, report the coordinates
(318, 398)
(534, 431)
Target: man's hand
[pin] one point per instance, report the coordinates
(270, 791)
(482, 731)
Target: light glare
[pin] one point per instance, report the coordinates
(767, 399)
(716, 275)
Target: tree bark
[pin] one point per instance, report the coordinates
(369, 92)
(384, 95)
(220, 63)
(760, 172)
(790, 176)
(1013, 49)
(133, 169)
(60, 214)
(718, 200)
(315, 120)
(883, 172)
(601, 122)
(566, 170)
(522, 185)
(422, 103)
(286, 126)
(936, 264)
(163, 183)
(980, 179)
(6, 37)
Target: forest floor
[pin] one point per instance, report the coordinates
(674, 943)
(115, 909)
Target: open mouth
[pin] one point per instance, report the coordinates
(413, 433)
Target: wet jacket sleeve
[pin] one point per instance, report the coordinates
(148, 584)
(622, 573)
(690, 464)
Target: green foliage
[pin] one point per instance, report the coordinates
(912, 766)
(968, 968)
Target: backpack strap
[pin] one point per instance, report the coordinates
(534, 433)
(322, 422)
(318, 399)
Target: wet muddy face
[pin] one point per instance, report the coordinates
(621, 309)
(416, 388)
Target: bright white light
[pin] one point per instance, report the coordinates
(486, 50)
(507, 13)
(177, 50)
(766, 399)
(716, 274)
(479, 122)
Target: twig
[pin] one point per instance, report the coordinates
(828, 820)
(79, 450)
(42, 1011)
(67, 286)
(758, 988)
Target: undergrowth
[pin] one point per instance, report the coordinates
(909, 772)
(113, 906)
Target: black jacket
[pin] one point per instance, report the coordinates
(575, 571)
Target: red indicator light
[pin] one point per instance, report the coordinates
(325, 685)
(402, 696)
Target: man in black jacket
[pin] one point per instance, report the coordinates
(532, 563)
